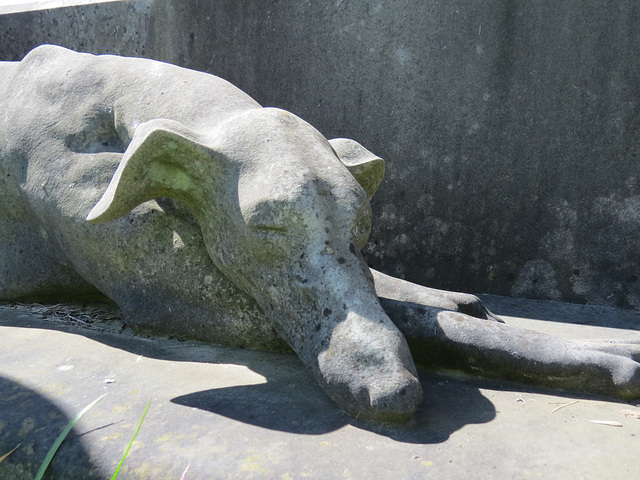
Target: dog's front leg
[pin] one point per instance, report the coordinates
(452, 340)
(400, 290)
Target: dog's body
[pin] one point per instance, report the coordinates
(88, 131)
(261, 247)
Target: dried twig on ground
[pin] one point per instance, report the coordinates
(99, 315)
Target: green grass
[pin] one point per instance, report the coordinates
(115, 474)
(56, 445)
(61, 437)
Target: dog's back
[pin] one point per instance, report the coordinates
(67, 119)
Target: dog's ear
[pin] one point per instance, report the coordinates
(367, 168)
(164, 159)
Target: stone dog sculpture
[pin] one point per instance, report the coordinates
(227, 222)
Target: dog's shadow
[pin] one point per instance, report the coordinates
(290, 400)
(297, 405)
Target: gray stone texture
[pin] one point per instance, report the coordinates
(282, 218)
(242, 414)
(258, 241)
(509, 128)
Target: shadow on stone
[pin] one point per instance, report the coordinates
(289, 401)
(276, 405)
(280, 405)
(33, 422)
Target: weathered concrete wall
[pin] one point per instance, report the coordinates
(510, 128)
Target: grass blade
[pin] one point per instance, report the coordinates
(131, 442)
(7, 454)
(61, 437)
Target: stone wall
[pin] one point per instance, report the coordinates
(510, 128)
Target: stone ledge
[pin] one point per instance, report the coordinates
(229, 413)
